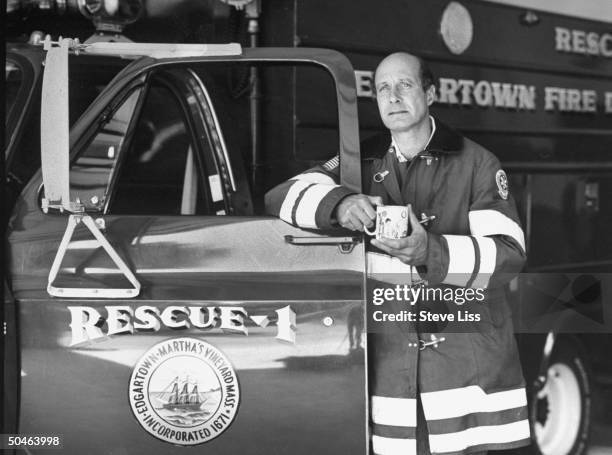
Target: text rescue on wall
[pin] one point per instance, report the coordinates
(485, 93)
(88, 324)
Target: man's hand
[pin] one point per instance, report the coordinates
(357, 210)
(411, 250)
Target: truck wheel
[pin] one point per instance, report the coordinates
(561, 410)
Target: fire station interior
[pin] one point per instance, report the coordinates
(157, 154)
(566, 216)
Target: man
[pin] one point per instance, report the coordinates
(463, 393)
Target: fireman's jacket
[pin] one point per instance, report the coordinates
(471, 384)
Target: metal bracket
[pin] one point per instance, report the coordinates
(108, 293)
(73, 44)
(72, 207)
(346, 248)
(345, 244)
(434, 342)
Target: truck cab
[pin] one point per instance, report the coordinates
(150, 302)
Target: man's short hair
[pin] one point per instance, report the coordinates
(425, 73)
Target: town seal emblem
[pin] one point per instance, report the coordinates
(184, 391)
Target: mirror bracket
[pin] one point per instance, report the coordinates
(112, 293)
(72, 207)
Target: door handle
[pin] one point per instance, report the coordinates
(345, 243)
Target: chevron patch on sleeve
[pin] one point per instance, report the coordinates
(332, 164)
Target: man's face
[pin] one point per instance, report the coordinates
(402, 102)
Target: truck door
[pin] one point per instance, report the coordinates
(242, 332)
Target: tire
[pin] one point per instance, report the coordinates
(560, 412)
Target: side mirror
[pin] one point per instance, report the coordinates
(55, 161)
(54, 129)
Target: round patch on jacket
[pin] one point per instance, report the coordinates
(502, 184)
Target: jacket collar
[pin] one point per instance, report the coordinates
(444, 140)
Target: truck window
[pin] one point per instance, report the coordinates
(160, 174)
(88, 77)
(91, 172)
(189, 151)
(296, 117)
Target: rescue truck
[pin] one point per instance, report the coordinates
(141, 245)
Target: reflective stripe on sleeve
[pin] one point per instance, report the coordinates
(488, 434)
(488, 256)
(383, 263)
(462, 259)
(492, 222)
(394, 411)
(308, 203)
(301, 202)
(393, 446)
(290, 200)
(467, 400)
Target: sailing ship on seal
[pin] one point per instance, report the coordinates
(183, 400)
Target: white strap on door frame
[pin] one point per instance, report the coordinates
(190, 185)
